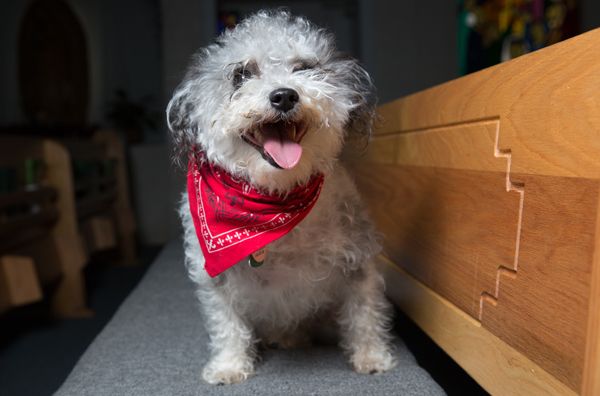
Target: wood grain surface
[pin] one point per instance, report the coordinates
(19, 283)
(69, 299)
(500, 369)
(56, 250)
(487, 190)
(547, 103)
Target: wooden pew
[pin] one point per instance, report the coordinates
(102, 199)
(487, 189)
(39, 242)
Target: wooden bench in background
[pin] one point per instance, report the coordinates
(487, 189)
(40, 247)
(103, 208)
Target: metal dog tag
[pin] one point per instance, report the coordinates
(257, 258)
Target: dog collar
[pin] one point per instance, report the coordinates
(233, 220)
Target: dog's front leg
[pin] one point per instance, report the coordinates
(231, 341)
(364, 322)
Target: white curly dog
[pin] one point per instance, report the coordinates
(278, 75)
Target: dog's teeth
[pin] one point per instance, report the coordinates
(294, 132)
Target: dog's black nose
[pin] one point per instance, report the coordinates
(284, 99)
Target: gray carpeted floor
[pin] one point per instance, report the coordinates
(38, 351)
(156, 345)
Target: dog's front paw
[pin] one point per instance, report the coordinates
(372, 361)
(217, 372)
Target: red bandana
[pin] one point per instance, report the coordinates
(233, 219)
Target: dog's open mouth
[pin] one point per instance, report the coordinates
(278, 142)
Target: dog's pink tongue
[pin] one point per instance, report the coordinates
(284, 151)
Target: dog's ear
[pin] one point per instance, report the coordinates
(180, 119)
(364, 98)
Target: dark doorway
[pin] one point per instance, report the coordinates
(53, 66)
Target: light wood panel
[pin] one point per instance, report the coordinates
(105, 194)
(99, 233)
(487, 190)
(500, 369)
(55, 248)
(591, 375)
(19, 283)
(547, 103)
(543, 309)
(427, 214)
(457, 232)
(69, 299)
(123, 212)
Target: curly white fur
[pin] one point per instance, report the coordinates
(323, 268)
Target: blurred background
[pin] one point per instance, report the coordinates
(87, 188)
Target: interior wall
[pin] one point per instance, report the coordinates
(132, 54)
(408, 46)
(186, 25)
(89, 13)
(123, 52)
(10, 17)
(590, 14)
(339, 17)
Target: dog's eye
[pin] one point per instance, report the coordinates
(240, 76)
(301, 66)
